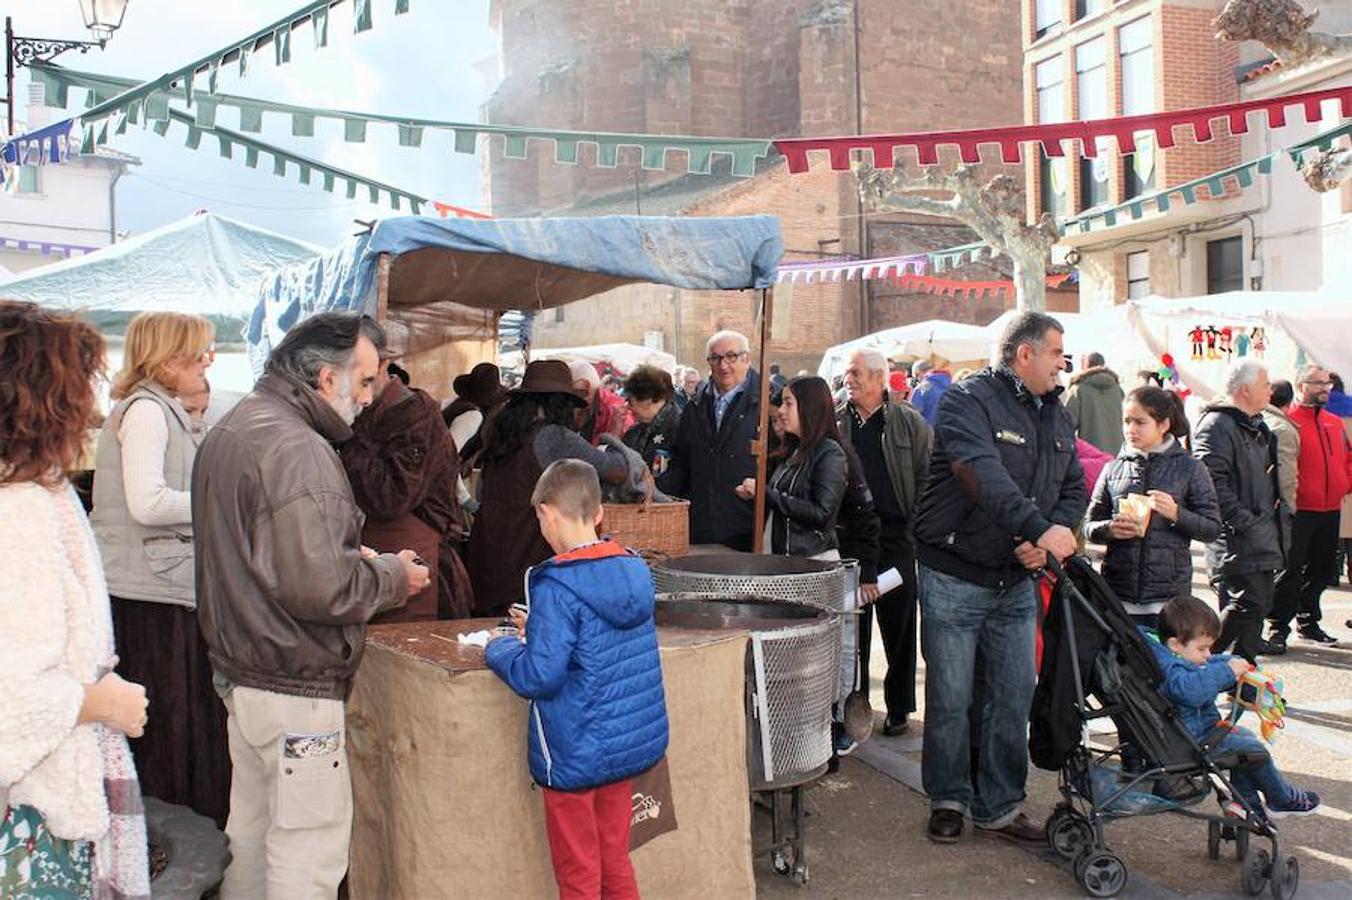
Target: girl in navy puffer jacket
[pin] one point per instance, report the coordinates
(1147, 571)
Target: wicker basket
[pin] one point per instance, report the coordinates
(648, 527)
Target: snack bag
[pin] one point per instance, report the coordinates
(1135, 507)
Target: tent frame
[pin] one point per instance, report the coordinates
(760, 446)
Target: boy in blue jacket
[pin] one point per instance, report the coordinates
(1193, 676)
(590, 668)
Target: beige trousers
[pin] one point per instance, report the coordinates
(290, 797)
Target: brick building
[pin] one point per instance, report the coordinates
(770, 68)
(1087, 59)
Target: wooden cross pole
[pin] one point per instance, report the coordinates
(760, 447)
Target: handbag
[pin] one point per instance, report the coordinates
(653, 812)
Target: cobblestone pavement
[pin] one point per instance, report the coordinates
(866, 829)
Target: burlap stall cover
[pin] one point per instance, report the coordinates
(444, 805)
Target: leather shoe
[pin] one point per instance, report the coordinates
(1022, 830)
(945, 826)
(895, 725)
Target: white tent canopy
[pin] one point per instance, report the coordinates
(205, 264)
(623, 357)
(934, 338)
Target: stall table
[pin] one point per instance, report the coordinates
(443, 800)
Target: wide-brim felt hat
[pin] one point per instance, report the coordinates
(548, 376)
(481, 385)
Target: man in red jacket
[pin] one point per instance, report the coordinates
(1325, 478)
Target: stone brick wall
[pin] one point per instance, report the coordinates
(748, 67)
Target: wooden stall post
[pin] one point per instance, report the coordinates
(383, 287)
(761, 445)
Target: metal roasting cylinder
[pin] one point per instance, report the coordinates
(819, 584)
(792, 670)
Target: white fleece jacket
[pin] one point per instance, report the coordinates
(55, 631)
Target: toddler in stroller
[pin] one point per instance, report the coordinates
(1097, 665)
(1192, 679)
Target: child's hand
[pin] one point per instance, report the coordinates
(1164, 503)
(1238, 665)
(518, 617)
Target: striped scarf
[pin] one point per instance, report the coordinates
(121, 859)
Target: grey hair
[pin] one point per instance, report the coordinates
(920, 367)
(1244, 371)
(323, 340)
(874, 359)
(727, 335)
(1026, 328)
(1094, 360)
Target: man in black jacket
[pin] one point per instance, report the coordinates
(1241, 454)
(1004, 490)
(712, 454)
(893, 441)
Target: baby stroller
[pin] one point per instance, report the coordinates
(1095, 666)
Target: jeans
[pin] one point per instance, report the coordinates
(1250, 598)
(957, 618)
(1311, 566)
(1265, 778)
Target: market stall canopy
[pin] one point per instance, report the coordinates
(205, 264)
(624, 358)
(503, 264)
(950, 341)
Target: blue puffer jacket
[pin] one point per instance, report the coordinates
(590, 669)
(929, 392)
(1192, 688)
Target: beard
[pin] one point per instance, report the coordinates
(344, 404)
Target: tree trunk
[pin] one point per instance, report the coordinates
(1030, 280)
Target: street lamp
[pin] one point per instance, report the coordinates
(101, 17)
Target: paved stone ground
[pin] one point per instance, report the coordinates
(867, 824)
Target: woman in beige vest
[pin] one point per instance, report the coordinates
(142, 519)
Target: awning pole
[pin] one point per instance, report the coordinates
(382, 287)
(761, 445)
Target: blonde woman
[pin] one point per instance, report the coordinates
(142, 519)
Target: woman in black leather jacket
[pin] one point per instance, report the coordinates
(804, 494)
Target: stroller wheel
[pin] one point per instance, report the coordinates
(1285, 878)
(1069, 833)
(1213, 840)
(1101, 874)
(1255, 871)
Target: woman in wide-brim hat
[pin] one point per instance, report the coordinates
(534, 429)
(478, 395)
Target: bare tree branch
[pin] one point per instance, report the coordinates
(1283, 27)
(994, 210)
(1326, 170)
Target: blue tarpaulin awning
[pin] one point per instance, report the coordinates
(527, 264)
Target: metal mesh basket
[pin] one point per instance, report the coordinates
(796, 671)
(819, 584)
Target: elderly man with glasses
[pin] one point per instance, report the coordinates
(1325, 477)
(712, 454)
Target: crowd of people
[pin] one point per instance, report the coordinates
(236, 558)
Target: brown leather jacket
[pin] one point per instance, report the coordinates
(283, 595)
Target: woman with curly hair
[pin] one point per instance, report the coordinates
(142, 519)
(70, 809)
(649, 392)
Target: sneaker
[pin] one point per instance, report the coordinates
(1316, 635)
(844, 745)
(1301, 803)
(1275, 645)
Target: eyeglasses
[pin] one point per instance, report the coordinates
(727, 359)
(207, 356)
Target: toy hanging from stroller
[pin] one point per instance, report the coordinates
(1097, 666)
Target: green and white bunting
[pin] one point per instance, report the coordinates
(699, 152)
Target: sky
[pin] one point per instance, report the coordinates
(436, 61)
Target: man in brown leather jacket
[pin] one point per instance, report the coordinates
(285, 590)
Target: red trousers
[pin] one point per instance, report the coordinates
(589, 842)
